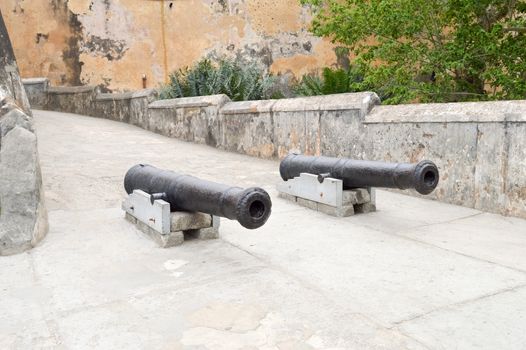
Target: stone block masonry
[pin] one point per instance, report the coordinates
(479, 147)
(184, 226)
(355, 201)
(37, 89)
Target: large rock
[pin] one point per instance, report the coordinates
(23, 216)
(23, 221)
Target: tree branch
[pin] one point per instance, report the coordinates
(515, 29)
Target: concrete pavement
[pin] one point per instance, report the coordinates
(416, 274)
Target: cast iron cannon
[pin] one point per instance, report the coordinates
(422, 176)
(251, 206)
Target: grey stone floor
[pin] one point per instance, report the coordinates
(416, 274)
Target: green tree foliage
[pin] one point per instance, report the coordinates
(237, 80)
(431, 50)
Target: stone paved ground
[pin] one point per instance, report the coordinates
(417, 274)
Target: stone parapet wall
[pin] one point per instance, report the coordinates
(129, 107)
(272, 128)
(480, 148)
(36, 89)
(195, 119)
(70, 99)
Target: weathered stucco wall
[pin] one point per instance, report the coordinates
(112, 43)
(480, 148)
(45, 37)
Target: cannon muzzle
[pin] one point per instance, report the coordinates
(423, 176)
(251, 206)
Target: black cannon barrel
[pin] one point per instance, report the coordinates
(251, 206)
(422, 176)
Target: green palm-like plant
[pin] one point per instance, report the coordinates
(331, 81)
(238, 80)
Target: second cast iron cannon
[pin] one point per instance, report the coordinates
(251, 206)
(422, 176)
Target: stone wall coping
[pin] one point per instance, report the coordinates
(113, 96)
(349, 101)
(58, 90)
(188, 102)
(145, 93)
(367, 102)
(247, 107)
(458, 112)
(34, 81)
(363, 101)
(125, 95)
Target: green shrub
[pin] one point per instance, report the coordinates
(331, 81)
(237, 80)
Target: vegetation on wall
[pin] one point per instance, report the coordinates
(238, 80)
(429, 50)
(331, 81)
(404, 50)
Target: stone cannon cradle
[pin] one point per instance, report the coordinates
(167, 228)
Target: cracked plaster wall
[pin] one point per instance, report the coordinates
(112, 43)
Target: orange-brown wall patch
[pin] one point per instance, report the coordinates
(113, 43)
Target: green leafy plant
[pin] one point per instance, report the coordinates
(309, 85)
(331, 81)
(431, 50)
(240, 81)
